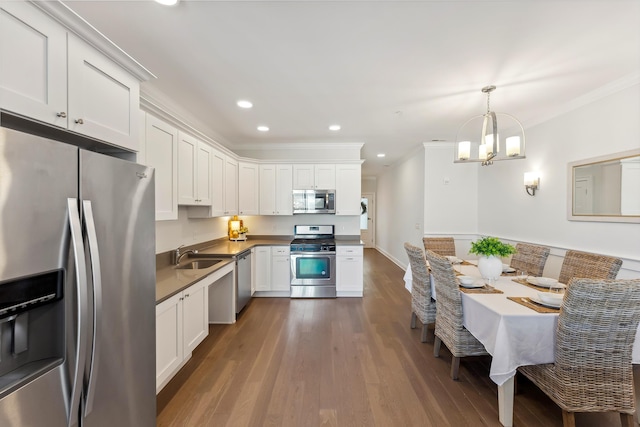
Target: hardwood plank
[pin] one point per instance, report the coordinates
(341, 362)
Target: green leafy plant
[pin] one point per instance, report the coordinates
(243, 230)
(488, 246)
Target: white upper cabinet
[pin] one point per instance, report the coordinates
(49, 74)
(230, 186)
(224, 188)
(217, 184)
(160, 145)
(314, 177)
(276, 189)
(103, 99)
(248, 188)
(33, 64)
(348, 194)
(325, 177)
(194, 171)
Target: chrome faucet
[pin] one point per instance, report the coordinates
(177, 255)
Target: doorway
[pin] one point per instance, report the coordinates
(367, 220)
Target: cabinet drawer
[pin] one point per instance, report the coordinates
(280, 250)
(349, 250)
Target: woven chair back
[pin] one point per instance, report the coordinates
(530, 258)
(578, 264)
(421, 303)
(596, 331)
(444, 246)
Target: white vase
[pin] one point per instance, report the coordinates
(490, 267)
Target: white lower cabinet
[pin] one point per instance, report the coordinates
(349, 271)
(272, 271)
(280, 269)
(181, 324)
(262, 271)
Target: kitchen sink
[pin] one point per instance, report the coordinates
(197, 265)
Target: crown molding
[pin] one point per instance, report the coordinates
(75, 23)
(267, 146)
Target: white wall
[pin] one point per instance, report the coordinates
(400, 207)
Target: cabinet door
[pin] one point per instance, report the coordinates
(284, 190)
(161, 153)
(217, 183)
(169, 342)
(103, 99)
(349, 270)
(187, 167)
(204, 159)
(195, 302)
(280, 269)
(248, 188)
(325, 177)
(33, 64)
(230, 187)
(303, 177)
(268, 191)
(262, 272)
(348, 184)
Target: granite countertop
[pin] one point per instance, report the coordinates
(170, 280)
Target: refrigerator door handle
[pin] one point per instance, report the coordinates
(94, 255)
(81, 290)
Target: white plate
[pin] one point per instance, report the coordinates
(454, 260)
(477, 284)
(555, 285)
(551, 297)
(537, 300)
(466, 280)
(507, 269)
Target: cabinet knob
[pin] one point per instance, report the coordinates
(186, 295)
(79, 121)
(61, 114)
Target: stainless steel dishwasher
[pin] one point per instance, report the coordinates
(243, 279)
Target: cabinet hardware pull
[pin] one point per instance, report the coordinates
(79, 121)
(61, 114)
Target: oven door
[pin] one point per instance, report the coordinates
(313, 275)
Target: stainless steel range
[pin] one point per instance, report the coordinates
(313, 262)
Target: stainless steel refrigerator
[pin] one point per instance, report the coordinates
(77, 286)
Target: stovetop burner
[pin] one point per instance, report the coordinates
(313, 238)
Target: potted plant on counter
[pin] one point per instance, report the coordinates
(491, 250)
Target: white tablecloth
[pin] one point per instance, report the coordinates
(512, 333)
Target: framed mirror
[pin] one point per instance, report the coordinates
(605, 188)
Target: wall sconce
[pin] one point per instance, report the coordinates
(531, 182)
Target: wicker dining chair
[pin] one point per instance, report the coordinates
(594, 341)
(423, 307)
(530, 258)
(578, 264)
(444, 246)
(449, 328)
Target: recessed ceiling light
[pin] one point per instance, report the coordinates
(334, 127)
(381, 155)
(168, 2)
(263, 128)
(244, 104)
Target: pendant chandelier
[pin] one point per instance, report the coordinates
(478, 139)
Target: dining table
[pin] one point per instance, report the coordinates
(512, 333)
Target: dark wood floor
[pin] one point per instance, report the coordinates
(340, 362)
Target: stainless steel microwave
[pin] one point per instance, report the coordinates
(314, 202)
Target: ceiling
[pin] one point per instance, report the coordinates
(393, 74)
